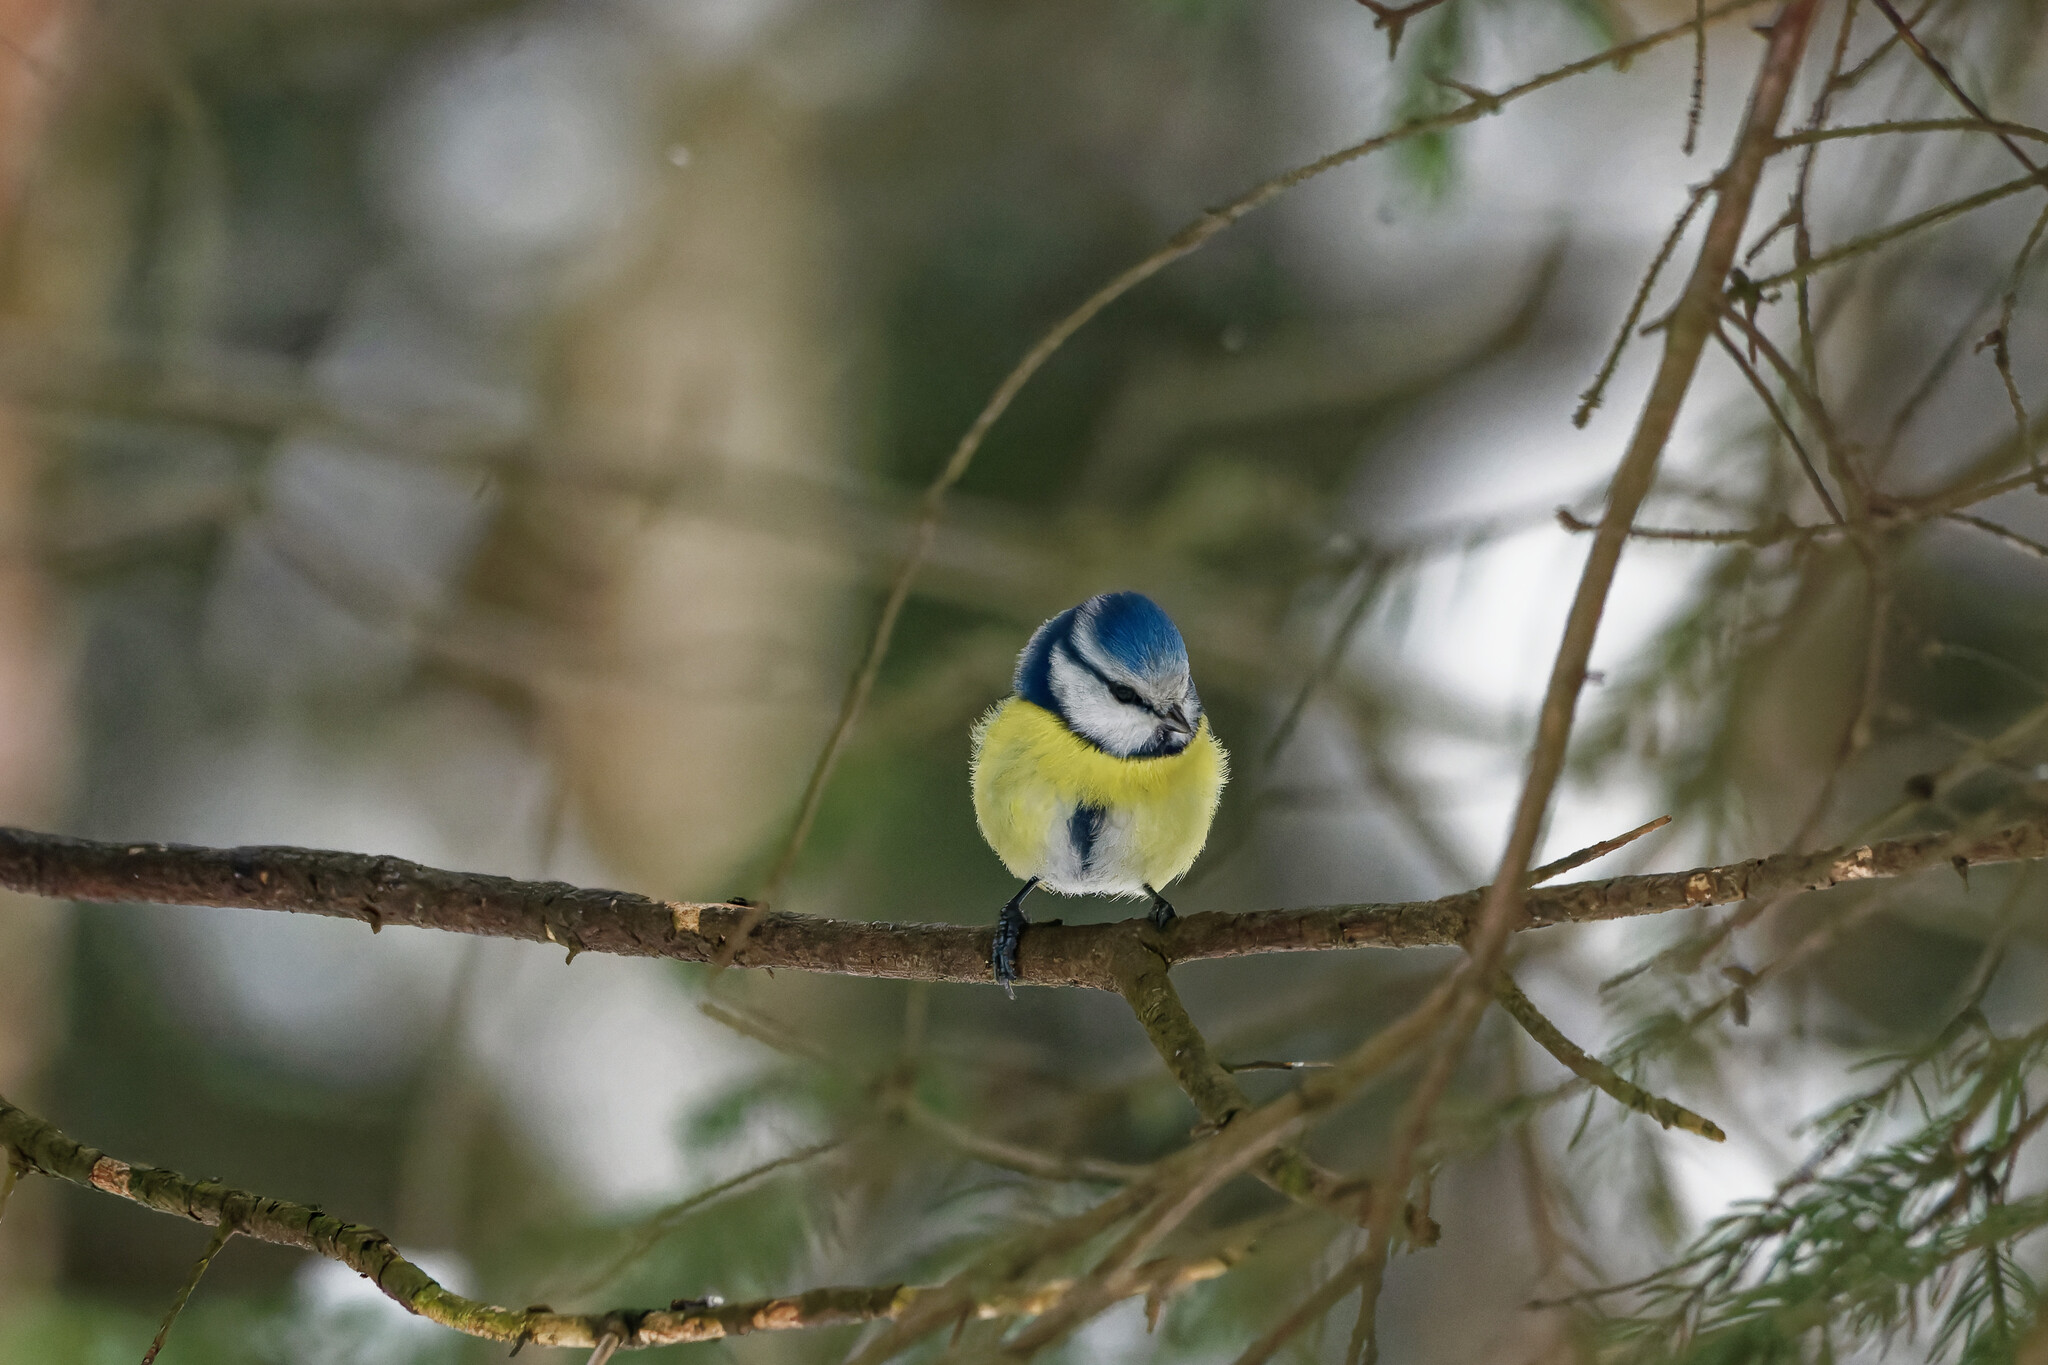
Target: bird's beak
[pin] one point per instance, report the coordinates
(1177, 719)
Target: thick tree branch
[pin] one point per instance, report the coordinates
(380, 891)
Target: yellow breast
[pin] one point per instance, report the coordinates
(1030, 772)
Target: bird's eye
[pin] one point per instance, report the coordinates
(1126, 695)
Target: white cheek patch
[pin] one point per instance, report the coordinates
(1095, 715)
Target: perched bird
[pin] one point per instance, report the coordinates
(1100, 776)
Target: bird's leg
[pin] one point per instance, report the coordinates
(1162, 909)
(1009, 933)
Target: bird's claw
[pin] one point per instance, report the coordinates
(1162, 910)
(1009, 935)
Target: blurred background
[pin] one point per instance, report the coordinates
(482, 432)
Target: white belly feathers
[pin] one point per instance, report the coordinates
(1091, 853)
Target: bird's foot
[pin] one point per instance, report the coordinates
(1162, 910)
(1010, 926)
(1009, 935)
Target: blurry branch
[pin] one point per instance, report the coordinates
(1506, 905)
(1594, 851)
(1948, 81)
(222, 1231)
(1310, 1310)
(2000, 338)
(1012, 1157)
(46, 1151)
(1892, 514)
(2004, 131)
(1185, 242)
(36, 1146)
(1371, 578)
(1394, 19)
(1770, 402)
(768, 1032)
(1596, 1072)
(1178, 1185)
(380, 891)
(1596, 392)
(650, 1230)
(1146, 987)
(2010, 537)
(1870, 241)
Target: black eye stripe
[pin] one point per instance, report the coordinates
(1121, 691)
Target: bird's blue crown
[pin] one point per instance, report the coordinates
(1127, 627)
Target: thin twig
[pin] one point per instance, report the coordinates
(1596, 391)
(1804, 394)
(1807, 137)
(1848, 80)
(1394, 19)
(2010, 537)
(1696, 107)
(1870, 241)
(1593, 851)
(1770, 403)
(1758, 537)
(1595, 1072)
(1371, 576)
(2000, 339)
(1948, 81)
(221, 1233)
(1010, 1156)
(650, 1230)
(1311, 1309)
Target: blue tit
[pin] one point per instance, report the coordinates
(1100, 776)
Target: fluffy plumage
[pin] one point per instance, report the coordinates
(1084, 822)
(1101, 775)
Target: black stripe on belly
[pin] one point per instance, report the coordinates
(1084, 827)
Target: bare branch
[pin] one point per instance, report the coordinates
(1870, 241)
(1595, 1072)
(46, 1151)
(221, 1233)
(1394, 18)
(379, 891)
(2010, 537)
(1595, 851)
(1142, 978)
